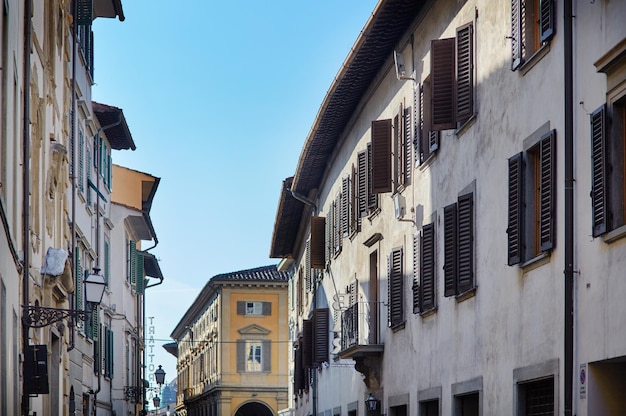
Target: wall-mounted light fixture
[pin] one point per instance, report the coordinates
(371, 403)
(36, 316)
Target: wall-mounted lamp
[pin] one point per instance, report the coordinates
(371, 403)
(159, 375)
(36, 316)
(156, 401)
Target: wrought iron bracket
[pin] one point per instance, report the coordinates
(133, 394)
(36, 316)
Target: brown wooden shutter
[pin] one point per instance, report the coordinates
(354, 216)
(516, 34)
(241, 355)
(337, 218)
(345, 206)
(241, 307)
(416, 273)
(515, 223)
(450, 253)
(465, 213)
(362, 194)
(353, 293)
(318, 229)
(465, 72)
(307, 343)
(298, 377)
(395, 277)
(266, 357)
(599, 194)
(381, 156)
(427, 268)
(442, 73)
(372, 198)
(267, 308)
(408, 162)
(546, 19)
(547, 191)
(320, 334)
(307, 266)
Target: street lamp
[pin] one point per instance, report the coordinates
(36, 316)
(156, 401)
(371, 403)
(159, 375)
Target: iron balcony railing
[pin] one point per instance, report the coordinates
(359, 325)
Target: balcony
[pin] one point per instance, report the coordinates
(359, 340)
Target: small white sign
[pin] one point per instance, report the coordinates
(582, 381)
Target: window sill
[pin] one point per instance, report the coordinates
(536, 261)
(614, 235)
(536, 57)
(461, 297)
(423, 165)
(465, 126)
(428, 313)
(398, 327)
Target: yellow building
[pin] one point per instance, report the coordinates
(232, 346)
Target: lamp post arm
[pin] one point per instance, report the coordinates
(40, 316)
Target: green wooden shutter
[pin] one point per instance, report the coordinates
(547, 191)
(407, 147)
(427, 268)
(465, 243)
(442, 73)
(372, 198)
(241, 307)
(546, 19)
(84, 12)
(139, 279)
(132, 255)
(381, 156)
(599, 194)
(107, 262)
(78, 269)
(81, 161)
(111, 353)
(450, 250)
(465, 72)
(516, 200)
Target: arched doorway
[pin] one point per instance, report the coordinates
(254, 409)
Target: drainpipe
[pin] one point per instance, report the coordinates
(568, 341)
(73, 156)
(26, 192)
(303, 199)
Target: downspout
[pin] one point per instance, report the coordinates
(73, 156)
(568, 341)
(26, 193)
(303, 199)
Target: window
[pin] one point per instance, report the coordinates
(452, 75)
(253, 356)
(536, 398)
(429, 408)
(367, 200)
(424, 285)
(532, 26)
(395, 292)
(466, 405)
(458, 265)
(349, 217)
(608, 147)
(532, 196)
(254, 308)
(401, 150)
(426, 140)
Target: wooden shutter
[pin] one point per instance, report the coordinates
(442, 72)
(427, 268)
(36, 369)
(307, 266)
(139, 280)
(395, 277)
(372, 198)
(465, 72)
(241, 355)
(546, 20)
(298, 376)
(381, 156)
(318, 228)
(345, 206)
(465, 213)
(241, 307)
(547, 191)
(408, 163)
(362, 188)
(267, 308)
(450, 253)
(78, 272)
(307, 343)
(337, 221)
(132, 255)
(320, 335)
(354, 217)
(266, 355)
(416, 273)
(599, 194)
(516, 34)
(84, 12)
(515, 223)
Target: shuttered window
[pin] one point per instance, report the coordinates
(428, 140)
(84, 12)
(400, 150)
(532, 26)
(395, 289)
(320, 336)
(381, 156)
(459, 246)
(307, 343)
(599, 173)
(318, 230)
(427, 298)
(416, 273)
(532, 201)
(452, 78)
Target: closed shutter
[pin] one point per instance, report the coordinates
(450, 259)
(442, 72)
(267, 308)
(546, 20)
(353, 293)
(407, 146)
(354, 217)
(372, 198)
(320, 335)
(515, 223)
(78, 272)
(345, 206)
(381, 156)
(465, 73)
(466, 243)
(241, 356)
(298, 376)
(307, 343)
(427, 268)
(84, 12)
(362, 194)
(547, 191)
(599, 194)
(132, 255)
(241, 307)
(337, 222)
(416, 273)
(516, 34)
(266, 357)
(139, 279)
(307, 266)
(107, 262)
(396, 288)
(318, 228)
(81, 161)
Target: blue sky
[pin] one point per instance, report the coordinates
(219, 97)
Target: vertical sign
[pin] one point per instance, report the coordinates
(150, 348)
(582, 380)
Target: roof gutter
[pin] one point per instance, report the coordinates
(303, 199)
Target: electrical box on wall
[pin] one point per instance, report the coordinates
(399, 206)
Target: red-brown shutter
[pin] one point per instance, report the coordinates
(516, 34)
(465, 211)
(547, 191)
(599, 195)
(427, 268)
(450, 253)
(465, 72)
(381, 156)
(546, 19)
(320, 334)
(442, 72)
(318, 228)
(515, 223)
(372, 198)
(307, 343)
